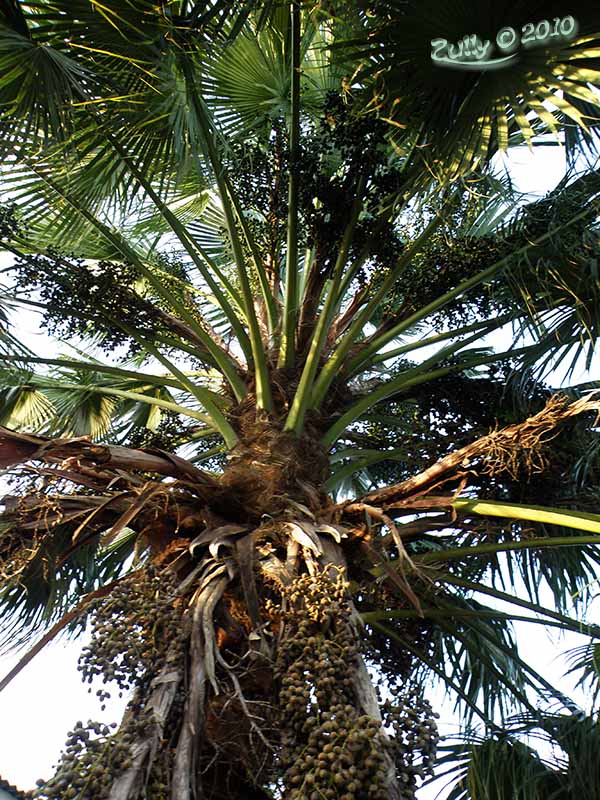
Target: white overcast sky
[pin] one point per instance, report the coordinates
(46, 699)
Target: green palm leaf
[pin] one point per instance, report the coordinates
(468, 114)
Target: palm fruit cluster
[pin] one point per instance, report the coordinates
(329, 747)
(334, 153)
(136, 630)
(93, 757)
(132, 630)
(441, 266)
(9, 224)
(79, 296)
(261, 182)
(167, 435)
(414, 735)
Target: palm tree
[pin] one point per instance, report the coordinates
(247, 220)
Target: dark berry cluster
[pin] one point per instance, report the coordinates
(414, 735)
(341, 148)
(131, 632)
(136, 631)
(260, 175)
(82, 299)
(169, 433)
(93, 757)
(9, 224)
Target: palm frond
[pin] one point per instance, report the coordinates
(506, 765)
(584, 662)
(468, 114)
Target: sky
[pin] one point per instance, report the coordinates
(47, 698)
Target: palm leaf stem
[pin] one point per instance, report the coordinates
(363, 360)
(239, 390)
(309, 255)
(362, 257)
(458, 553)
(207, 454)
(203, 395)
(454, 580)
(579, 520)
(459, 613)
(334, 364)
(264, 398)
(267, 295)
(362, 460)
(126, 395)
(290, 308)
(402, 383)
(445, 352)
(300, 404)
(181, 233)
(104, 369)
(222, 358)
(172, 322)
(482, 326)
(422, 656)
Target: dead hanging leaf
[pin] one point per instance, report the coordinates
(305, 535)
(208, 599)
(395, 574)
(302, 509)
(245, 560)
(333, 558)
(273, 568)
(134, 509)
(291, 560)
(15, 447)
(213, 569)
(516, 449)
(222, 541)
(232, 568)
(211, 534)
(337, 531)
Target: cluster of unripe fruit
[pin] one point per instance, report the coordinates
(92, 758)
(414, 736)
(330, 747)
(133, 629)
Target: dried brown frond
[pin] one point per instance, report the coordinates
(513, 449)
(19, 448)
(519, 448)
